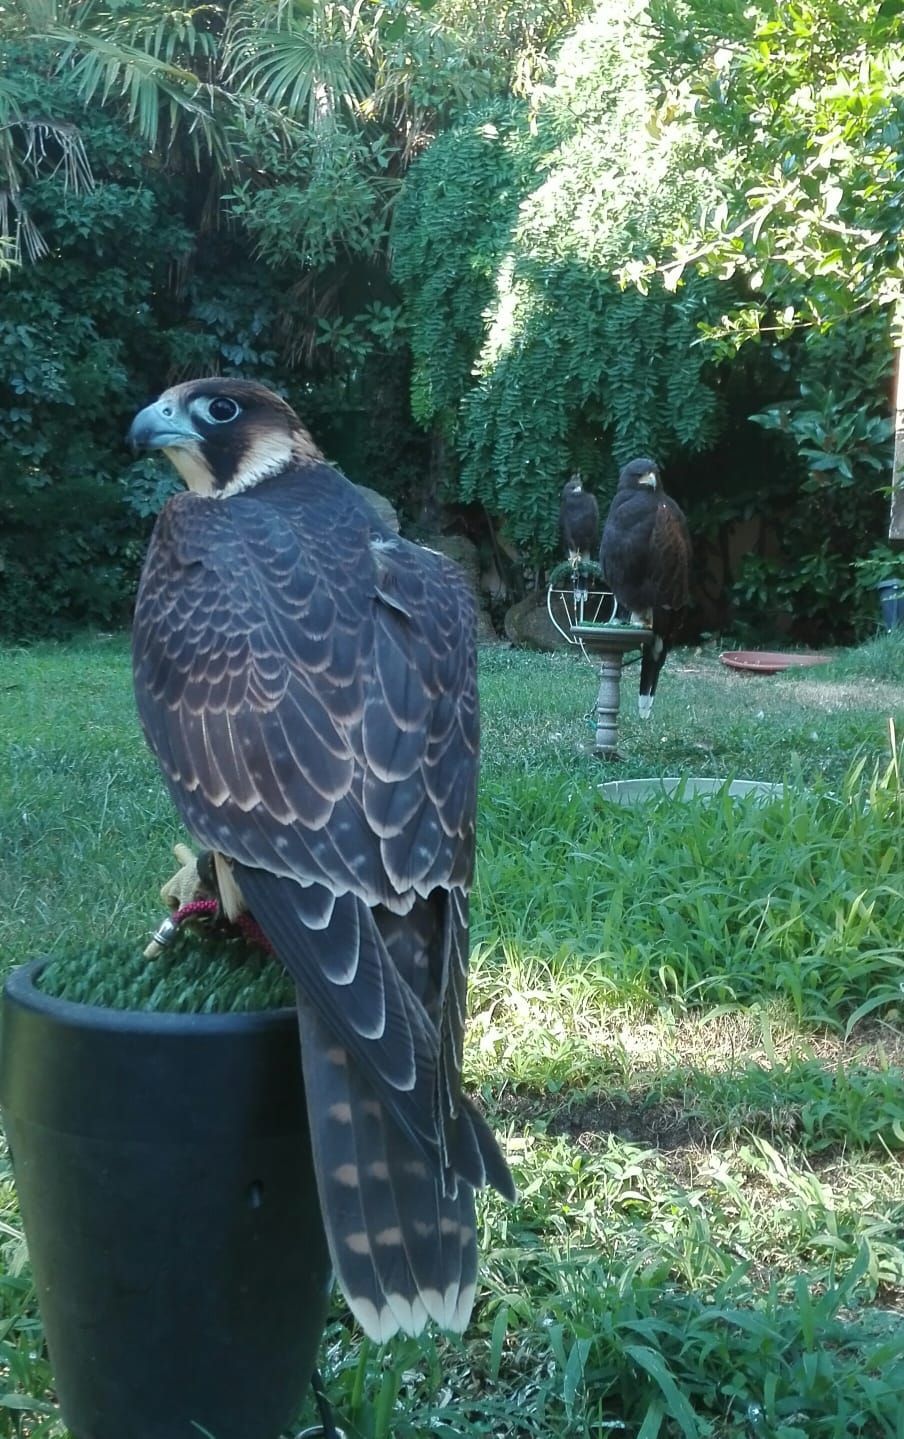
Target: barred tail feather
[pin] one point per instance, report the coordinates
(474, 1137)
(402, 1249)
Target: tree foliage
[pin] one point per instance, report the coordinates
(129, 298)
(588, 209)
(829, 507)
(507, 243)
(801, 106)
(800, 109)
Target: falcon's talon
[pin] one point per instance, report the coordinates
(187, 883)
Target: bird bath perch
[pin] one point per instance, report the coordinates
(584, 615)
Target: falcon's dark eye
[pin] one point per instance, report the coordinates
(222, 409)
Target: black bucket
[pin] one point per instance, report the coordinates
(167, 1191)
(891, 602)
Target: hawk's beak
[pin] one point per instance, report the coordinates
(649, 479)
(161, 426)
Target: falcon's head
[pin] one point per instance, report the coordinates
(223, 436)
(639, 474)
(574, 486)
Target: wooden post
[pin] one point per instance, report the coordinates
(896, 518)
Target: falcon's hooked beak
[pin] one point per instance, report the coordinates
(166, 425)
(162, 426)
(649, 480)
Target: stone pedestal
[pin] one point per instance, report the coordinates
(608, 645)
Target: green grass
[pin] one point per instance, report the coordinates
(686, 1024)
(708, 720)
(881, 658)
(714, 903)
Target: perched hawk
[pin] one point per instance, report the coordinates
(306, 680)
(646, 556)
(579, 519)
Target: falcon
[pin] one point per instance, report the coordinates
(306, 680)
(579, 520)
(646, 556)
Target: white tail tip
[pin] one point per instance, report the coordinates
(645, 706)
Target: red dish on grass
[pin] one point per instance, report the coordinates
(769, 662)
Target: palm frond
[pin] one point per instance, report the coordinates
(151, 86)
(29, 238)
(176, 34)
(38, 14)
(10, 100)
(52, 146)
(10, 243)
(38, 147)
(297, 69)
(18, 233)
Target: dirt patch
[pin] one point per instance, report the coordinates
(839, 695)
(668, 1123)
(720, 1041)
(659, 1124)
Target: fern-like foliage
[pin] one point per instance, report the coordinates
(510, 236)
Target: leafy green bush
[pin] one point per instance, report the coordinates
(527, 350)
(837, 433)
(534, 360)
(139, 291)
(515, 234)
(76, 333)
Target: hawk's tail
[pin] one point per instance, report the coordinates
(403, 1251)
(666, 624)
(653, 657)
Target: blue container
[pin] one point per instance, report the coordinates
(891, 602)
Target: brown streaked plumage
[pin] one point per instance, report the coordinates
(306, 680)
(645, 554)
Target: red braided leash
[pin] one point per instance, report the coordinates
(202, 908)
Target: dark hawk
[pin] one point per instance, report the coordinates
(646, 557)
(579, 520)
(306, 680)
